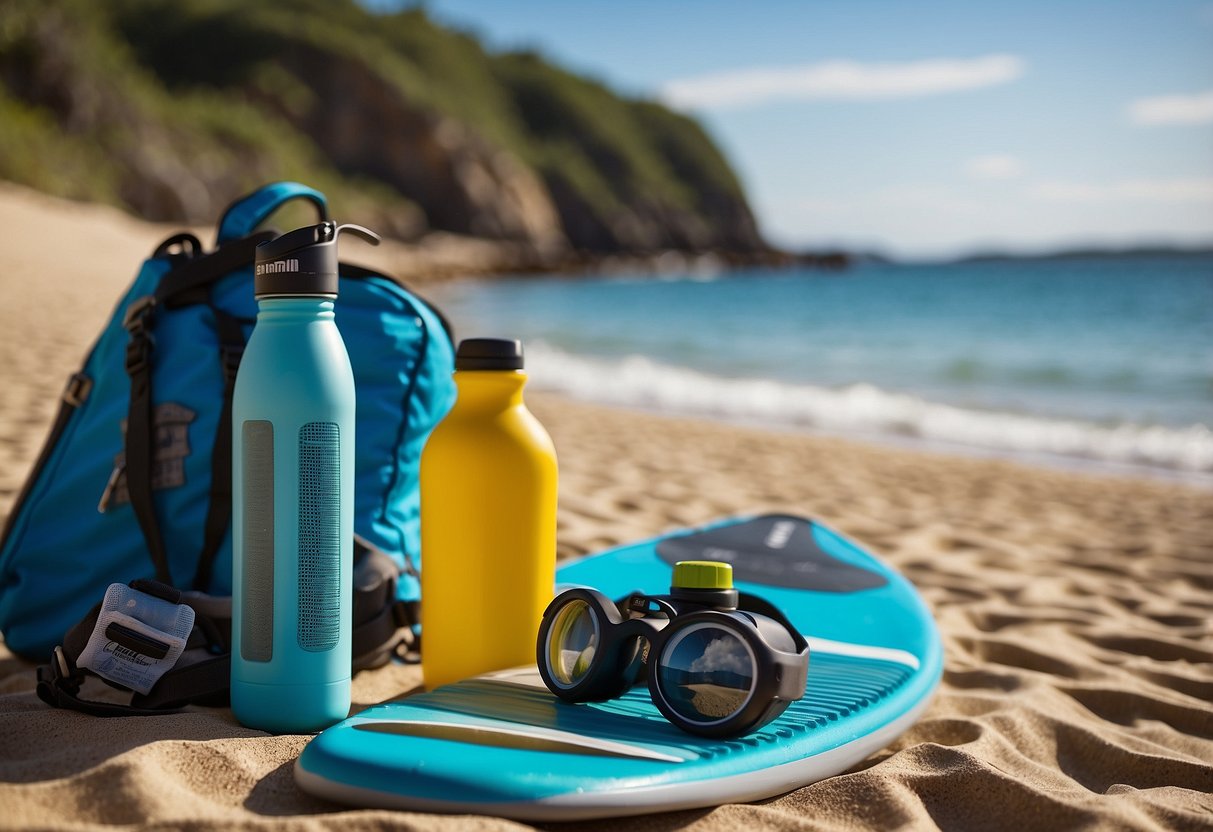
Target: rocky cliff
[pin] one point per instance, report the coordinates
(172, 108)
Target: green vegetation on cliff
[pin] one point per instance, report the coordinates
(172, 108)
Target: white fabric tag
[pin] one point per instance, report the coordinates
(137, 639)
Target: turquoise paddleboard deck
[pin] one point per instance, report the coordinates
(503, 745)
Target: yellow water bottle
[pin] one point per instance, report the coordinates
(488, 521)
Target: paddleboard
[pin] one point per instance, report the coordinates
(502, 744)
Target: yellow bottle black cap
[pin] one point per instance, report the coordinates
(702, 574)
(489, 354)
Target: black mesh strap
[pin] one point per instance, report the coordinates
(219, 512)
(62, 690)
(203, 682)
(197, 678)
(140, 317)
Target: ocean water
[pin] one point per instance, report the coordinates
(1084, 361)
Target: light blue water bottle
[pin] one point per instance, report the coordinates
(293, 493)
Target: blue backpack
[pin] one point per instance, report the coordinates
(134, 480)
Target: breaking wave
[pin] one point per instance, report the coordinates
(865, 410)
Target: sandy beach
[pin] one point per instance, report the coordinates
(1076, 610)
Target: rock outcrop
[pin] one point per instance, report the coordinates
(172, 108)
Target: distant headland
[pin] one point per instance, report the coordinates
(1089, 253)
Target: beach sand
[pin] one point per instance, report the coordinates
(1075, 610)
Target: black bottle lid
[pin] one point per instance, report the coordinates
(303, 261)
(489, 354)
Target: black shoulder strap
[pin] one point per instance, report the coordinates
(178, 286)
(138, 322)
(383, 624)
(219, 512)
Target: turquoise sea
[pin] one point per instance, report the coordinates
(1104, 361)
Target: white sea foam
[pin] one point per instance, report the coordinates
(863, 409)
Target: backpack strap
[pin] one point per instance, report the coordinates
(383, 624)
(175, 288)
(188, 246)
(219, 511)
(138, 321)
(248, 212)
(190, 281)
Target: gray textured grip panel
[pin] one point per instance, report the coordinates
(257, 608)
(319, 535)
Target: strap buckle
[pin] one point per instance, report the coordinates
(77, 389)
(59, 681)
(229, 358)
(64, 667)
(137, 322)
(62, 672)
(138, 353)
(137, 316)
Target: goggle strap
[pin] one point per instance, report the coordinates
(639, 603)
(794, 676)
(753, 603)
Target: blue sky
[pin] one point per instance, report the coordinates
(920, 129)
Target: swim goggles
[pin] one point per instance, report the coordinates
(720, 663)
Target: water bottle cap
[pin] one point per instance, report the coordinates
(302, 262)
(489, 354)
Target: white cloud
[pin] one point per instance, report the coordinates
(1196, 108)
(1180, 189)
(994, 166)
(724, 653)
(842, 80)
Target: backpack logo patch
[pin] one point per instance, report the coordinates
(171, 445)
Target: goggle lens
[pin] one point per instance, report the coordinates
(572, 641)
(706, 673)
